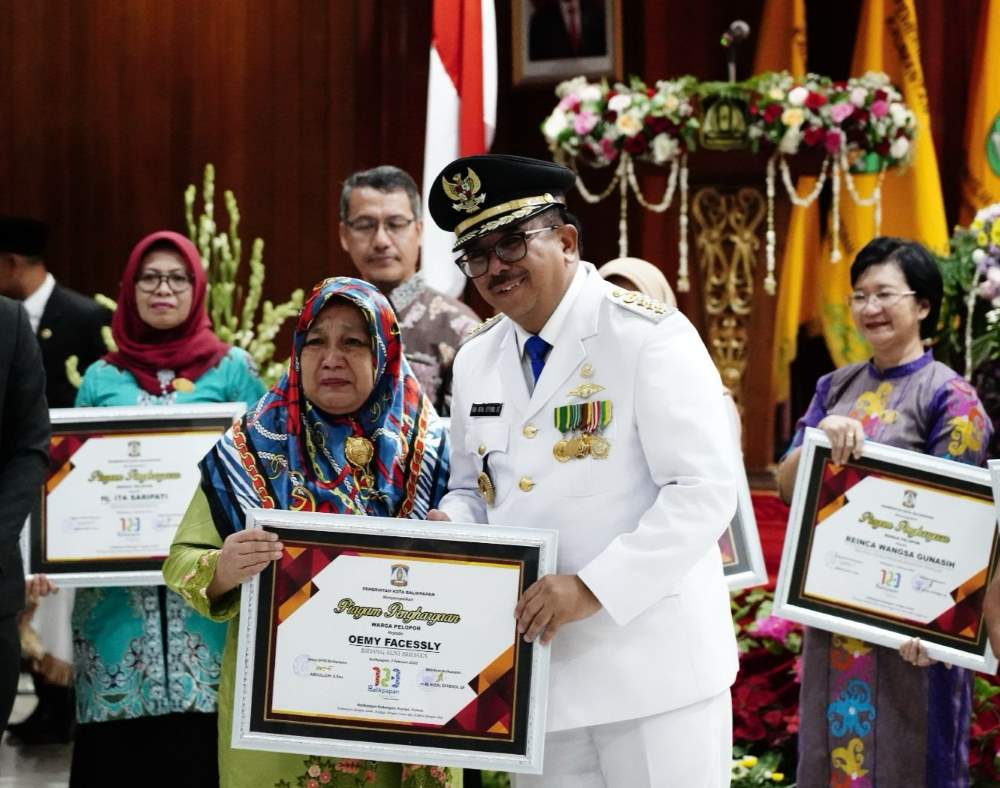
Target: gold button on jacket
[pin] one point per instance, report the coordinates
(526, 484)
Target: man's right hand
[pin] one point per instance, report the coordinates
(438, 516)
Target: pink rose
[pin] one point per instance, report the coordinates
(312, 784)
(369, 776)
(324, 777)
(841, 111)
(572, 101)
(834, 140)
(584, 123)
(608, 149)
(773, 627)
(879, 109)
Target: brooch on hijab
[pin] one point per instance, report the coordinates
(359, 452)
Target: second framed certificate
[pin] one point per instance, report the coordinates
(892, 546)
(119, 481)
(393, 640)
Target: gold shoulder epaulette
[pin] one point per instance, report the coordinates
(649, 308)
(483, 327)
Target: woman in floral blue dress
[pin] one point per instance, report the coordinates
(147, 666)
(871, 716)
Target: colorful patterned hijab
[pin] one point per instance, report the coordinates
(189, 350)
(287, 454)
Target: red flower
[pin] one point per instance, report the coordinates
(881, 95)
(651, 92)
(860, 115)
(610, 116)
(882, 148)
(753, 108)
(772, 112)
(815, 100)
(812, 136)
(636, 145)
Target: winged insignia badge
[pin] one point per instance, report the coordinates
(463, 191)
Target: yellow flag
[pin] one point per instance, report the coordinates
(912, 204)
(781, 44)
(796, 302)
(981, 179)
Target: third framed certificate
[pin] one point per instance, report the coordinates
(393, 640)
(892, 546)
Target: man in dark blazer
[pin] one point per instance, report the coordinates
(24, 451)
(65, 322)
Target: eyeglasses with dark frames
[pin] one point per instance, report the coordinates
(509, 249)
(150, 281)
(367, 227)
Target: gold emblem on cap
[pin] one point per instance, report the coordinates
(182, 384)
(463, 191)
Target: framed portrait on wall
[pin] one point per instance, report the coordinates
(560, 39)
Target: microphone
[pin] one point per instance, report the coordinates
(738, 31)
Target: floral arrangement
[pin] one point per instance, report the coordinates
(595, 122)
(231, 304)
(984, 747)
(749, 771)
(859, 125)
(969, 333)
(865, 116)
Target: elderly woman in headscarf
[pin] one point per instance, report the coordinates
(147, 667)
(346, 430)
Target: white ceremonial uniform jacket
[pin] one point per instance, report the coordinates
(639, 527)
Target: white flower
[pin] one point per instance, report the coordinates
(978, 256)
(899, 148)
(619, 102)
(685, 109)
(776, 93)
(664, 148)
(993, 274)
(555, 124)
(792, 117)
(571, 86)
(790, 140)
(629, 124)
(900, 114)
(670, 103)
(797, 96)
(590, 92)
(858, 96)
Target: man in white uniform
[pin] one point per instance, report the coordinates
(597, 412)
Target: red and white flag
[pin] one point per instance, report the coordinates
(461, 114)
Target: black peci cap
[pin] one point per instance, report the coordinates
(476, 195)
(23, 236)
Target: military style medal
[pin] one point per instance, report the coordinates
(485, 485)
(588, 419)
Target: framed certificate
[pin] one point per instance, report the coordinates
(742, 556)
(119, 481)
(393, 640)
(889, 547)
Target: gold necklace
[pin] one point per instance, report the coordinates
(359, 452)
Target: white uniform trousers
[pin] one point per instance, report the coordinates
(690, 747)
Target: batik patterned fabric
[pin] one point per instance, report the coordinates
(141, 652)
(287, 454)
(433, 326)
(868, 717)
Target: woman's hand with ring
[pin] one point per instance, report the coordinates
(846, 435)
(243, 555)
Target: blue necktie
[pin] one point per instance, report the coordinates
(536, 348)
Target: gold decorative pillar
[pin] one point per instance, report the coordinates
(725, 226)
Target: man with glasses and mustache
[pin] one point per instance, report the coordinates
(596, 411)
(381, 228)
